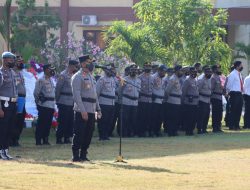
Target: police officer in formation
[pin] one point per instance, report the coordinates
(8, 98)
(17, 128)
(105, 89)
(145, 101)
(64, 101)
(86, 104)
(44, 94)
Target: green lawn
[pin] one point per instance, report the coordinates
(212, 161)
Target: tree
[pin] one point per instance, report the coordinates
(245, 49)
(30, 25)
(186, 31)
(5, 22)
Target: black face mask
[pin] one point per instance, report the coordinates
(20, 66)
(208, 76)
(194, 75)
(218, 72)
(132, 74)
(179, 75)
(90, 67)
(52, 73)
(147, 70)
(11, 64)
(241, 69)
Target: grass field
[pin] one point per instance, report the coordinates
(212, 161)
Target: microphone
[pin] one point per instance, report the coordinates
(102, 67)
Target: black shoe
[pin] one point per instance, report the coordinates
(199, 132)
(83, 157)
(46, 141)
(67, 141)
(75, 157)
(38, 142)
(59, 141)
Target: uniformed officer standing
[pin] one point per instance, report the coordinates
(130, 94)
(204, 86)
(105, 89)
(216, 98)
(20, 116)
(190, 99)
(44, 94)
(8, 98)
(85, 106)
(145, 101)
(64, 101)
(173, 94)
(157, 99)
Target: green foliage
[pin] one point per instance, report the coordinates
(184, 31)
(5, 22)
(31, 24)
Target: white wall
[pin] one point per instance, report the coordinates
(231, 3)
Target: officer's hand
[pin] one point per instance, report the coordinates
(1, 113)
(99, 114)
(85, 116)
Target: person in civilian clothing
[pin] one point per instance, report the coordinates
(247, 102)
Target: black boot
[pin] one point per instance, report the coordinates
(67, 141)
(75, 157)
(59, 141)
(46, 141)
(83, 156)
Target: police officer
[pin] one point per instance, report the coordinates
(64, 101)
(20, 116)
(105, 89)
(204, 86)
(190, 99)
(173, 94)
(8, 98)
(44, 94)
(170, 72)
(157, 99)
(85, 105)
(130, 94)
(216, 98)
(145, 101)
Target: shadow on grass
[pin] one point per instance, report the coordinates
(141, 168)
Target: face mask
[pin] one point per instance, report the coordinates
(241, 69)
(52, 73)
(179, 75)
(162, 75)
(90, 67)
(132, 74)
(219, 72)
(194, 75)
(11, 64)
(208, 76)
(20, 66)
(147, 70)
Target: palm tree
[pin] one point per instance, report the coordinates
(5, 22)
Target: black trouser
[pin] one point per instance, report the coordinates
(228, 111)
(83, 131)
(203, 116)
(44, 121)
(104, 124)
(116, 119)
(144, 118)
(129, 117)
(247, 112)
(165, 115)
(217, 111)
(65, 121)
(236, 102)
(17, 128)
(190, 118)
(6, 124)
(173, 118)
(157, 119)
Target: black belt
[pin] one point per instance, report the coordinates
(116, 93)
(217, 93)
(205, 95)
(107, 96)
(130, 97)
(146, 95)
(49, 99)
(66, 93)
(191, 96)
(90, 100)
(175, 95)
(157, 96)
(235, 92)
(22, 95)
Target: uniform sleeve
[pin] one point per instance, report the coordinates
(37, 90)
(99, 86)
(246, 84)
(184, 89)
(200, 84)
(59, 86)
(76, 90)
(139, 85)
(169, 88)
(98, 108)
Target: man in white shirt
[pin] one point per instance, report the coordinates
(247, 102)
(235, 89)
